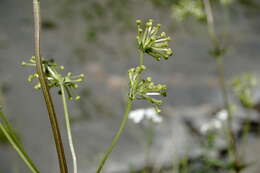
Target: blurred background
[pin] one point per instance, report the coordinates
(98, 38)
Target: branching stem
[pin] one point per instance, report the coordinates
(123, 123)
(45, 89)
(220, 69)
(67, 120)
(117, 136)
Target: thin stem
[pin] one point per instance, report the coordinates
(246, 129)
(141, 58)
(67, 120)
(45, 89)
(220, 69)
(117, 136)
(23, 156)
(149, 134)
(210, 22)
(232, 141)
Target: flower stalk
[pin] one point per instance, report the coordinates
(67, 120)
(218, 53)
(117, 136)
(155, 45)
(45, 89)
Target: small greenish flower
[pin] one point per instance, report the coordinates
(186, 8)
(144, 89)
(152, 43)
(242, 87)
(54, 78)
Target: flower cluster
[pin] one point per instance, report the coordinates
(144, 89)
(215, 124)
(186, 8)
(152, 43)
(141, 114)
(54, 78)
(242, 87)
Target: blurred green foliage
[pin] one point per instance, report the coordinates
(186, 8)
(242, 87)
(3, 139)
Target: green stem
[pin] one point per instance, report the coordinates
(123, 123)
(232, 141)
(141, 58)
(45, 89)
(220, 69)
(67, 120)
(117, 136)
(149, 134)
(246, 128)
(23, 156)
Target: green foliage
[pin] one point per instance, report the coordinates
(3, 139)
(188, 8)
(242, 87)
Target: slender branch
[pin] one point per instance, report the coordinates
(27, 162)
(117, 136)
(246, 129)
(7, 130)
(220, 69)
(67, 120)
(45, 90)
(123, 123)
(210, 22)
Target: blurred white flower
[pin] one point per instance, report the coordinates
(140, 114)
(211, 126)
(137, 115)
(222, 115)
(216, 123)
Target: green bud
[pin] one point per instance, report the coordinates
(23, 63)
(157, 110)
(62, 67)
(138, 22)
(149, 79)
(37, 86)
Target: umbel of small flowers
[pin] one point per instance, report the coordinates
(65, 84)
(149, 42)
(156, 45)
(144, 89)
(54, 77)
(152, 43)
